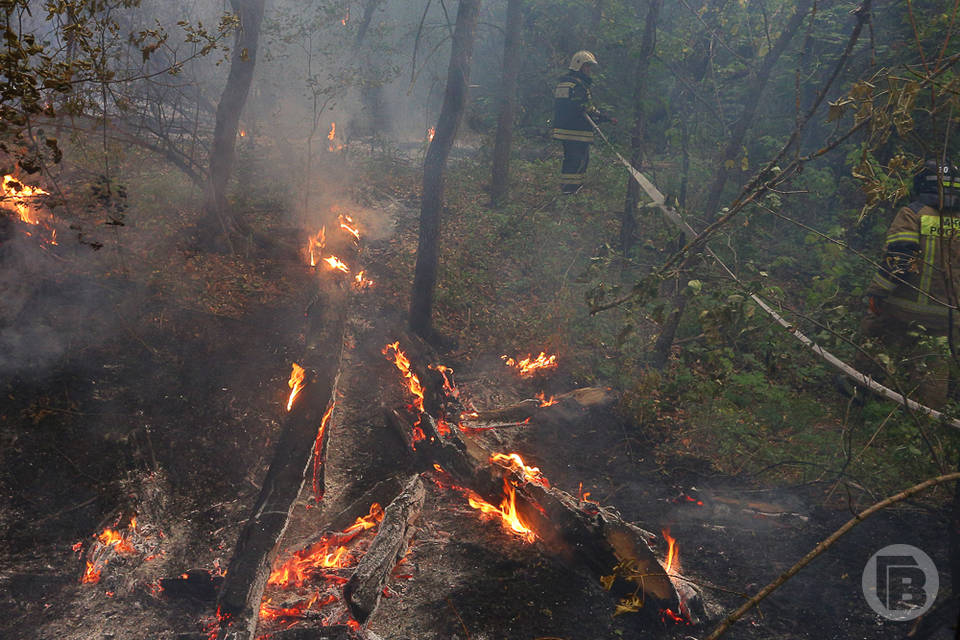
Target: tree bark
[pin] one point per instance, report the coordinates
(732, 149)
(508, 105)
(628, 221)
(454, 100)
(217, 218)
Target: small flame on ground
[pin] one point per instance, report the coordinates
(20, 195)
(346, 18)
(430, 133)
(400, 360)
(507, 512)
(108, 542)
(514, 462)
(530, 365)
(361, 282)
(347, 224)
(336, 263)
(333, 145)
(295, 383)
(544, 402)
(243, 133)
(316, 244)
(671, 550)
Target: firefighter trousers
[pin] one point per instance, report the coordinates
(576, 157)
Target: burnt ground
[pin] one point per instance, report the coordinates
(171, 413)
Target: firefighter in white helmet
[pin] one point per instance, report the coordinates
(572, 102)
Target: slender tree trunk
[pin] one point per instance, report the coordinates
(508, 105)
(373, 119)
(664, 342)
(217, 217)
(454, 100)
(628, 221)
(735, 142)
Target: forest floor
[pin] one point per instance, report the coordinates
(150, 377)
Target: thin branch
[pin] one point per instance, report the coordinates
(823, 546)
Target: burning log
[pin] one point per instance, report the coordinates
(304, 437)
(578, 399)
(581, 533)
(365, 587)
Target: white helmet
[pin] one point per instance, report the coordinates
(581, 58)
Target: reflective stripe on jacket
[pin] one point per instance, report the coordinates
(921, 260)
(571, 101)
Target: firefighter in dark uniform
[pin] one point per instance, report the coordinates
(918, 282)
(572, 102)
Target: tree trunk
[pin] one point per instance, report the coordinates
(732, 149)
(628, 221)
(217, 218)
(454, 100)
(508, 105)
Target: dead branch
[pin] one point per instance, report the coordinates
(823, 546)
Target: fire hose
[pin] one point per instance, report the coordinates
(858, 377)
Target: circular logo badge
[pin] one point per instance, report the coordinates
(900, 582)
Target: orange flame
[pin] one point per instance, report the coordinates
(318, 451)
(295, 383)
(336, 263)
(333, 131)
(430, 133)
(346, 18)
(544, 402)
(399, 359)
(333, 146)
(507, 512)
(530, 365)
(345, 222)
(107, 541)
(316, 244)
(243, 133)
(329, 552)
(19, 195)
(672, 551)
(514, 462)
(448, 386)
(361, 282)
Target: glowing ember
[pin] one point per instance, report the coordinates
(336, 263)
(671, 550)
(318, 452)
(107, 543)
(514, 462)
(316, 245)
(544, 402)
(347, 224)
(507, 512)
(430, 133)
(530, 365)
(330, 552)
(295, 383)
(270, 612)
(399, 359)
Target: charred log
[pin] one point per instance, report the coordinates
(365, 587)
(303, 439)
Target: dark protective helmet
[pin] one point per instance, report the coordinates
(927, 183)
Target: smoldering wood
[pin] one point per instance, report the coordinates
(382, 493)
(363, 591)
(257, 545)
(578, 399)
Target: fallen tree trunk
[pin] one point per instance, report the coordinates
(365, 587)
(581, 533)
(303, 439)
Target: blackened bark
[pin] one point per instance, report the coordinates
(508, 105)
(217, 218)
(454, 100)
(628, 221)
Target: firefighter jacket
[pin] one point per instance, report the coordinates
(920, 271)
(571, 101)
